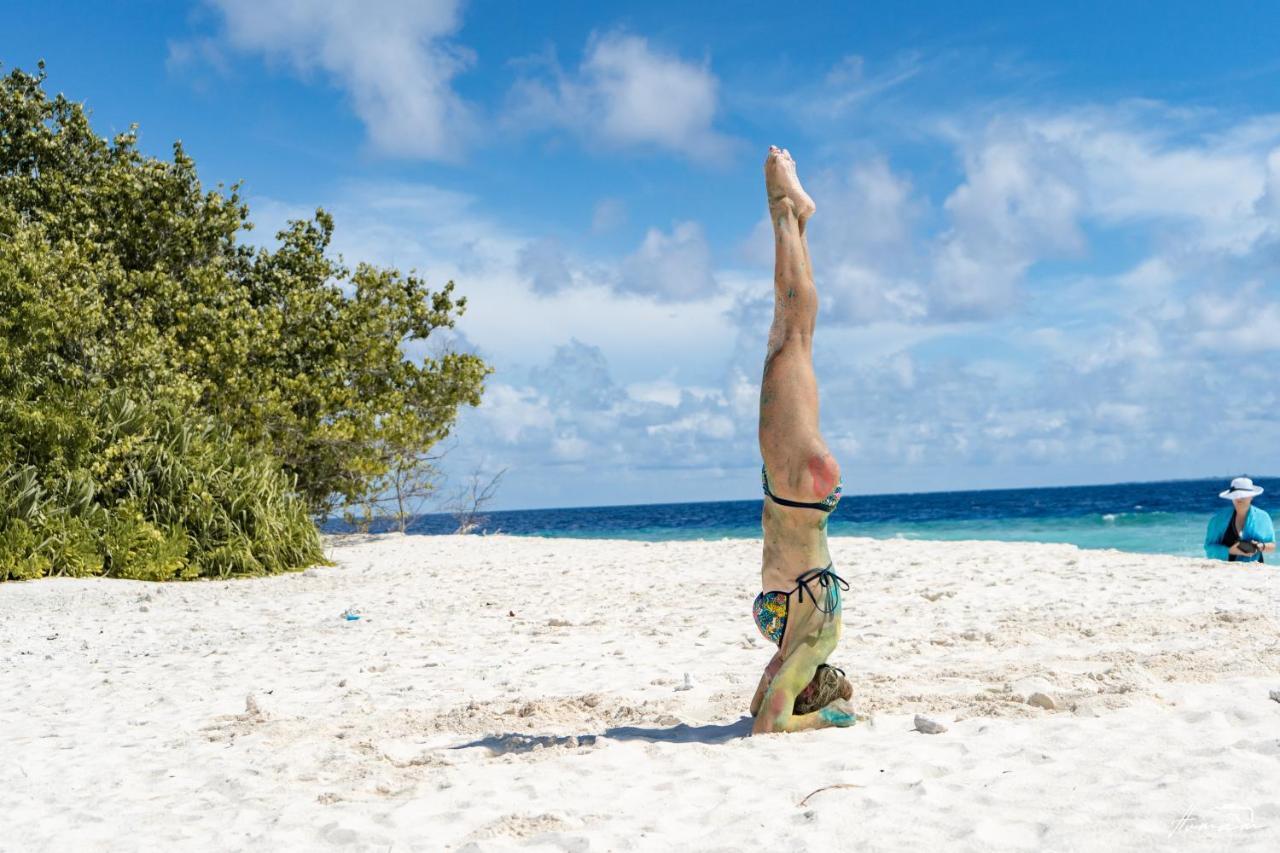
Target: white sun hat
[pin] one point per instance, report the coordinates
(1241, 487)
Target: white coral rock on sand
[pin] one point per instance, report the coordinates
(926, 726)
(1042, 700)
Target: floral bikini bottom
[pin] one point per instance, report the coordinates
(770, 608)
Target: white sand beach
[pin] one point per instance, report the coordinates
(504, 693)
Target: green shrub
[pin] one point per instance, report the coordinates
(20, 556)
(155, 494)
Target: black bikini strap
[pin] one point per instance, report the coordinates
(818, 505)
(821, 506)
(825, 578)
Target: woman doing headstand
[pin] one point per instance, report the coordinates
(799, 608)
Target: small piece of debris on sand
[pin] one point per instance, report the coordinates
(926, 726)
(1042, 700)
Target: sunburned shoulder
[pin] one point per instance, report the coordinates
(824, 473)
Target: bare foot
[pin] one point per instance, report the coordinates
(839, 713)
(783, 185)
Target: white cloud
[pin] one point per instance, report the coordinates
(1237, 319)
(577, 379)
(571, 420)
(868, 206)
(699, 425)
(1020, 202)
(672, 266)
(862, 294)
(393, 58)
(628, 93)
(515, 414)
(570, 448)
(1032, 186)
(609, 215)
(1269, 204)
(1151, 275)
(667, 266)
(667, 392)
(1150, 165)
(187, 54)
(1121, 416)
(675, 267)
(446, 236)
(1136, 167)
(546, 266)
(861, 239)
(1137, 340)
(847, 84)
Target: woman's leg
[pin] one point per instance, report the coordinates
(800, 466)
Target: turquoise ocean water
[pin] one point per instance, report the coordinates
(1149, 518)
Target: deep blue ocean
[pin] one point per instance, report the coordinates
(1149, 518)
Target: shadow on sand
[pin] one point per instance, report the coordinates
(682, 733)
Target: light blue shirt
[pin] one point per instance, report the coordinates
(1257, 526)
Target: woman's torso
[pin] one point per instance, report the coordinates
(795, 537)
(1235, 526)
(795, 541)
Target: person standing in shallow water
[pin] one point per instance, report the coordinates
(1240, 532)
(799, 607)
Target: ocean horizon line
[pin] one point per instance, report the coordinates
(1225, 478)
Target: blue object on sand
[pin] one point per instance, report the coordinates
(351, 614)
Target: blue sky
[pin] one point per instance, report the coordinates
(1047, 239)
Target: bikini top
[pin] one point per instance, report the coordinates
(827, 504)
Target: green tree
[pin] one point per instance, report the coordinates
(125, 285)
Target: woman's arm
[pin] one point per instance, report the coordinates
(776, 711)
(1265, 532)
(1213, 547)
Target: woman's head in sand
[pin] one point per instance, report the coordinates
(1241, 492)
